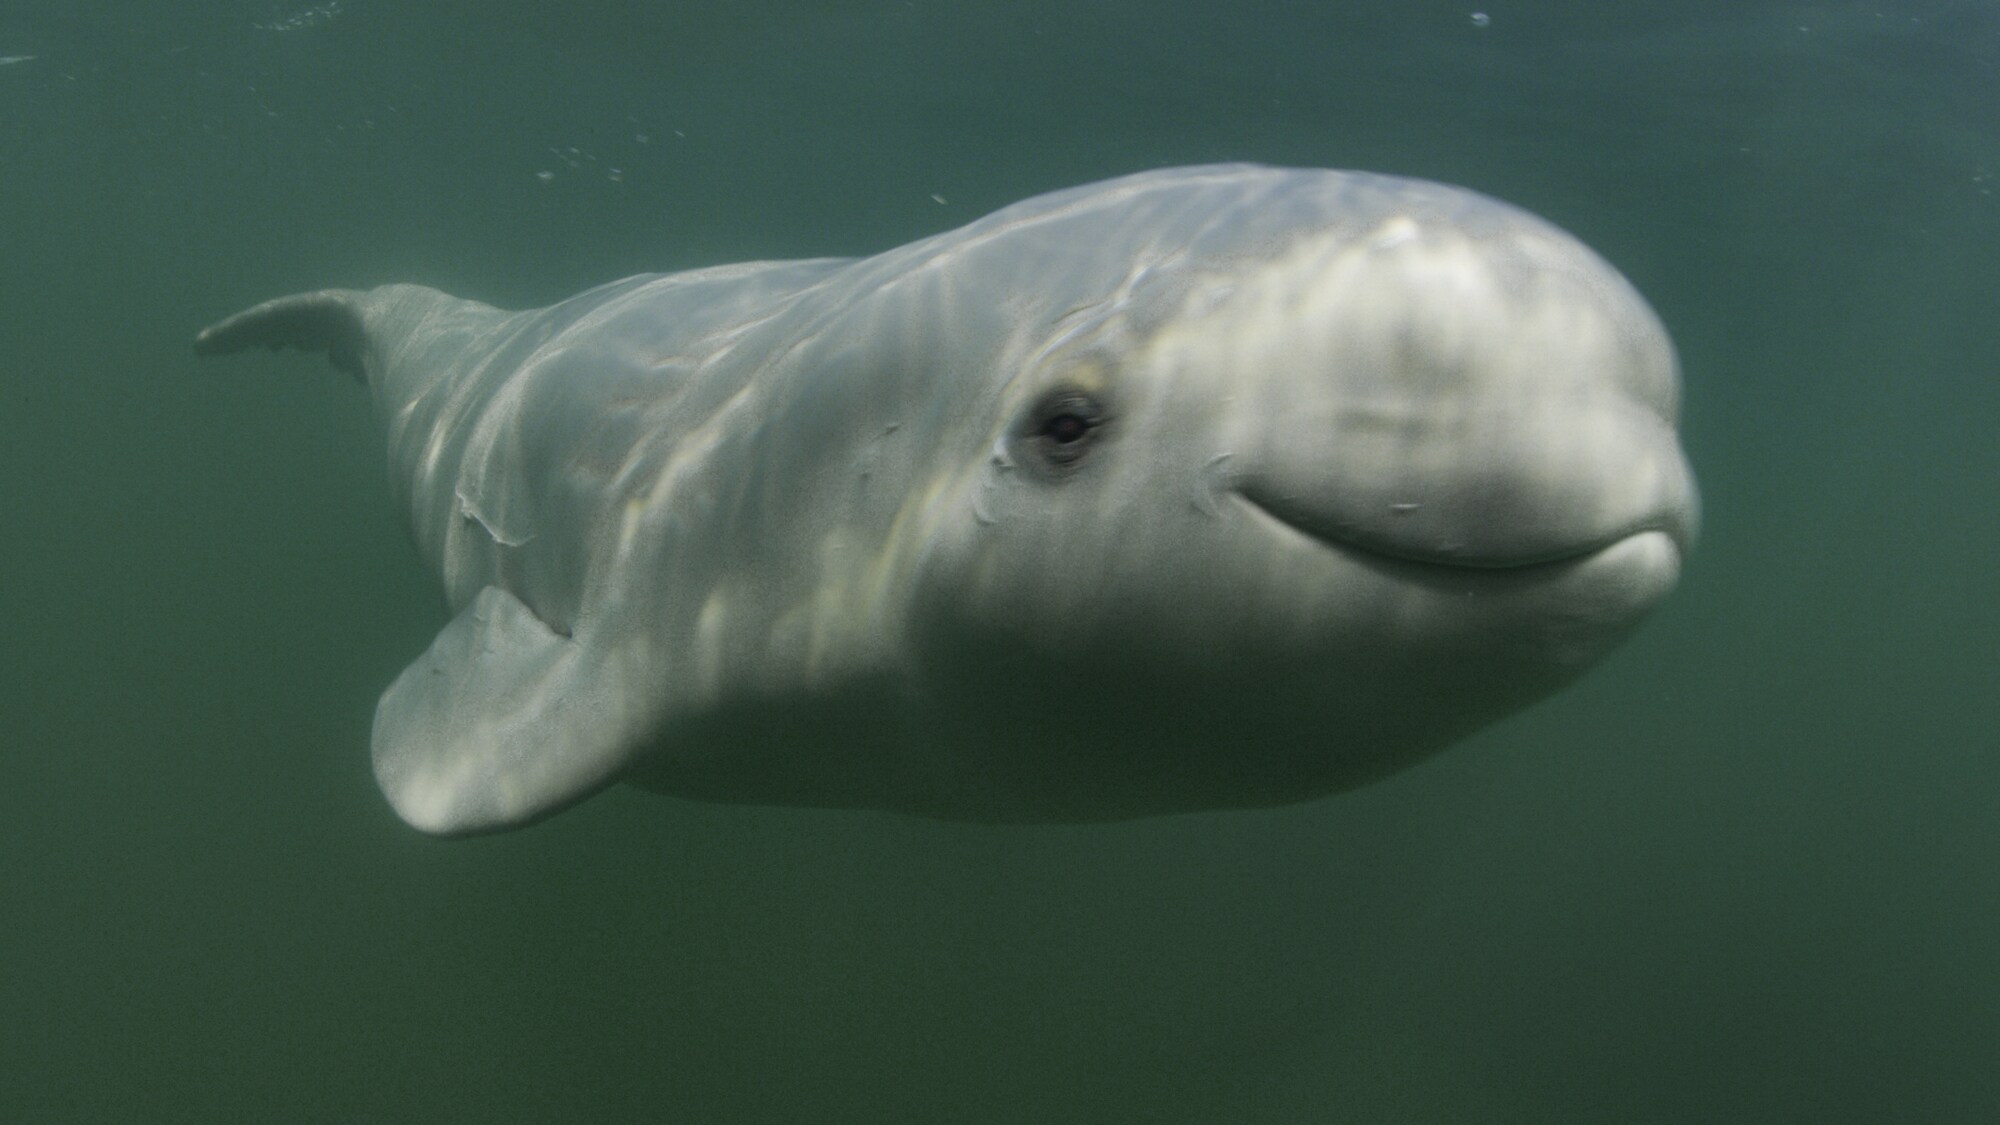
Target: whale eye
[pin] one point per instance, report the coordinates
(1063, 426)
(1066, 429)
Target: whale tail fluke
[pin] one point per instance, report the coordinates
(328, 321)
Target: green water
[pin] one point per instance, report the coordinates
(1747, 871)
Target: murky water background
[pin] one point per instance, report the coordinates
(1748, 871)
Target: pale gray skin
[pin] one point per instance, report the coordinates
(1202, 488)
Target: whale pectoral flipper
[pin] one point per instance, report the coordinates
(329, 321)
(502, 721)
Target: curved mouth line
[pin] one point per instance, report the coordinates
(1361, 546)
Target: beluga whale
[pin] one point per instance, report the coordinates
(1203, 488)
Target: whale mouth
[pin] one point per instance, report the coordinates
(1359, 542)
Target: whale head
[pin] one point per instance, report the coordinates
(1315, 482)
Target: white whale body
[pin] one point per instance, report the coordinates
(1201, 488)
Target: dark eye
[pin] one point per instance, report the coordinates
(1063, 425)
(1064, 429)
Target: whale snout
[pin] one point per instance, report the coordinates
(1484, 394)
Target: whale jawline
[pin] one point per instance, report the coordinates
(1362, 547)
